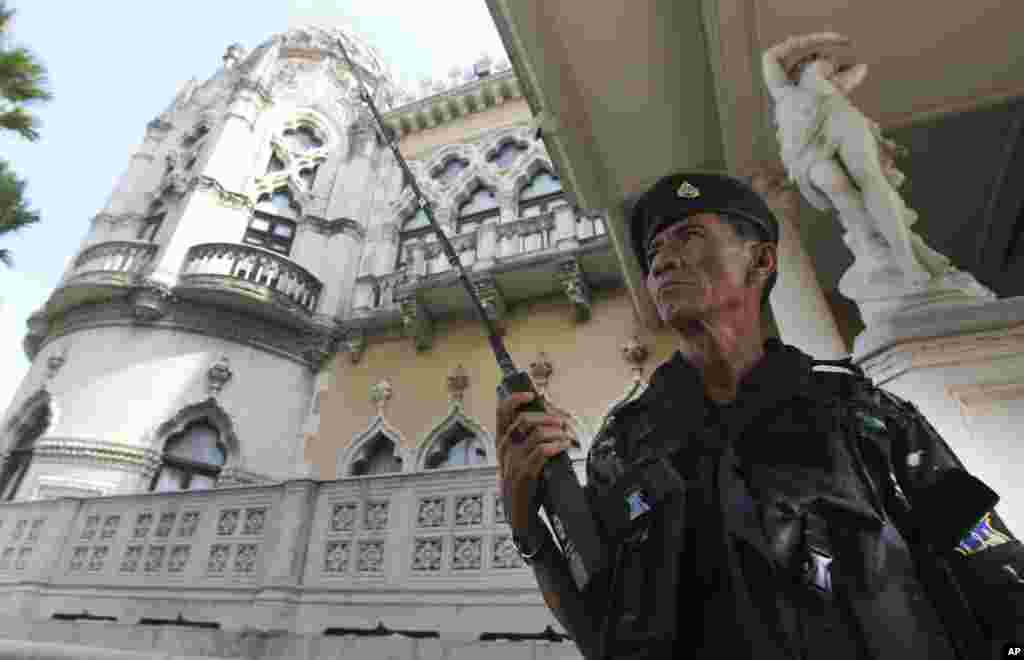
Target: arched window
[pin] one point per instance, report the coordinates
(20, 458)
(192, 459)
(273, 222)
(275, 165)
(308, 175)
(506, 154)
(480, 206)
(301, 139)
(416, 225)
(151, 223)
(457, 447)
(377, 456)
(541, 194)
(452, 168)
(194, 136)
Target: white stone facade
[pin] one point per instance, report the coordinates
(164, 287)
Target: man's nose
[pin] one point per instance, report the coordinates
(663, 261)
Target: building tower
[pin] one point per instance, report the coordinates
(181, 348)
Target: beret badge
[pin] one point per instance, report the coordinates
(687, 190)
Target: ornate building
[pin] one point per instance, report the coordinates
(259, 390)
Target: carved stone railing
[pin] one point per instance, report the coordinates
(225, 555)
(127, 257)
(525, 235)
(230, 264)
(557, 230)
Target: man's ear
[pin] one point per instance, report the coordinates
(764, 261)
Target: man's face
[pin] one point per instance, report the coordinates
(698, 269)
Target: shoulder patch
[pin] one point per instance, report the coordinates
(982, 537)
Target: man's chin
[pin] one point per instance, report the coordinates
(680, 316)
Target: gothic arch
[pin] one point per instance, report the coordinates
(211, 411)
(41, 402)
(272, 127)
(518, 134)
(455, 417)
(461, 150)
(362, 443)
(468, 185)
(523, 174)
(497, 143)
(405, 204)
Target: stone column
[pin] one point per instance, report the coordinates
(138, 179)
(235, 137)
(801, 312)
(565, 228)
(486, 245)
(419, 258)
(294, 520)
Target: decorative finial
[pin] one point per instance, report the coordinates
(233, 53)
(458, 381)
(540, 371)
(54, 363)
(218, 375)
(380, 395)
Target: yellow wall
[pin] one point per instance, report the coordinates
(589, 371)
(510, 112)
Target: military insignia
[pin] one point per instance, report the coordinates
(687, 190)
(638, 506)
(982, 537)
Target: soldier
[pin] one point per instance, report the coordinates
(822, 516)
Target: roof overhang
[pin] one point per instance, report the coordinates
(627, 92)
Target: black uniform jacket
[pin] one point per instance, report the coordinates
(804, 529)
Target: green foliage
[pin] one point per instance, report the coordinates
(14, 211)
(23, 82)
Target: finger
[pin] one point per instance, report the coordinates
(507, 408)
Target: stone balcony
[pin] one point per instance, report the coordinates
(249, 279)
(559, 251)
(427, 552)
(102, 271)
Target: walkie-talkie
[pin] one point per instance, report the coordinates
(559, 492)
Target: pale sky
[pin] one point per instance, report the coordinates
(116, 64)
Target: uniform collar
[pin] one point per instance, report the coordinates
(676, 386)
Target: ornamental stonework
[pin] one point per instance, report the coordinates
(254, 521)
(228, 522)
(376, 516)
(427, 554)
(336, 556)
(343, 517)
(189, 523)
(218, 560)
(245, 558)
(504, 553)
(131, 558)
(467, 553)
(469, 510)
(431, 512)
(179, 558)
(154, 559)
(371, 557)
(166, 524)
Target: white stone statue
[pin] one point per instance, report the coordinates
(839, 158)
(840, 162)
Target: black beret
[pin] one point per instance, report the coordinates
(677, 196)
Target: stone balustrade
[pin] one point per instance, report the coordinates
(411, 550)
(487, 245)
(114, 257)
(231, 262)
